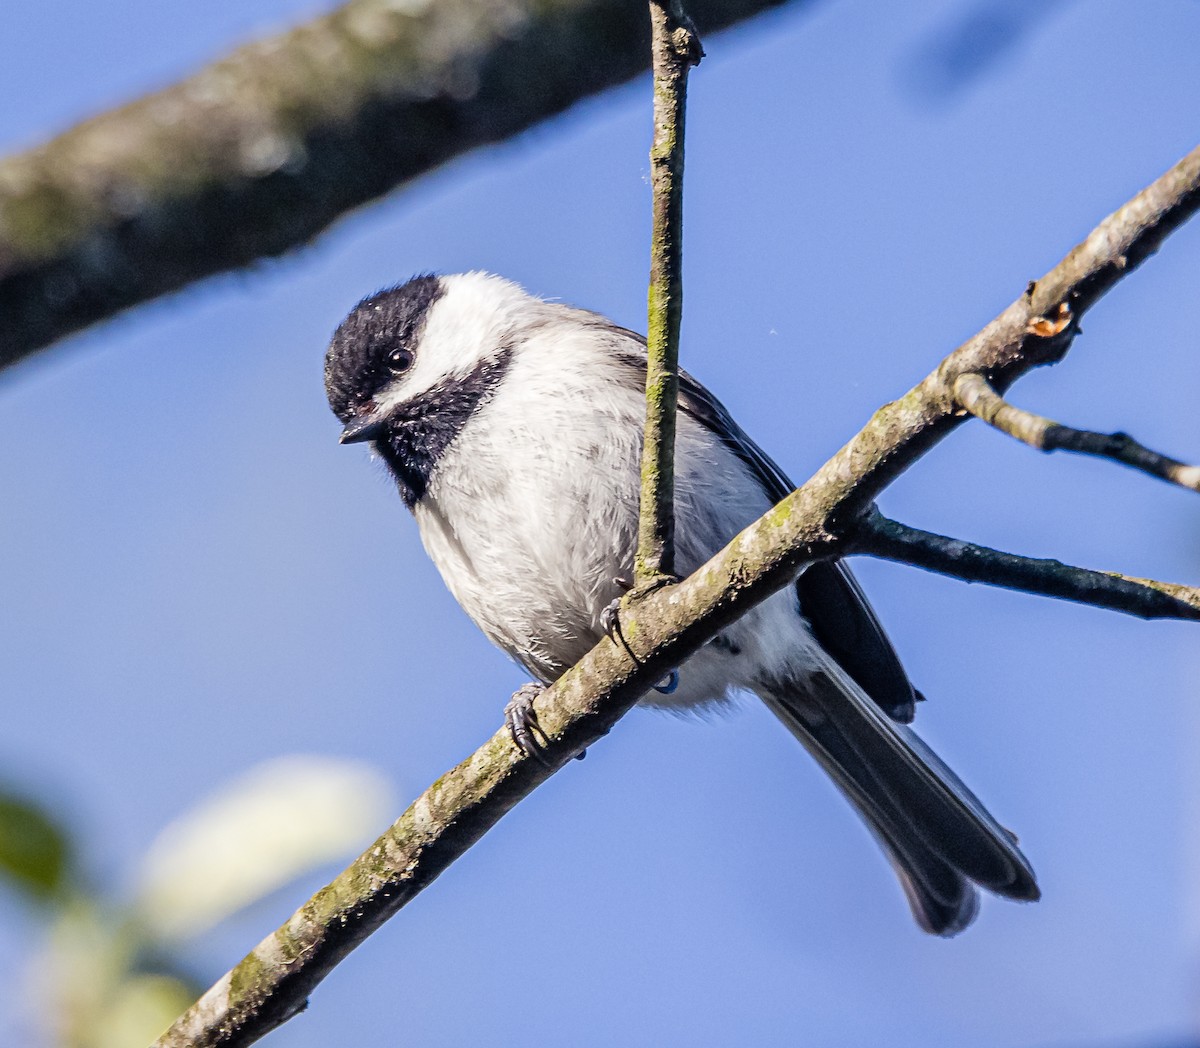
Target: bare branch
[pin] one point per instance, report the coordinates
(271, 984)
(818, 520)
(1036, 329)
(975, 393)
(676, 49)
(261, 151)
(878, 536)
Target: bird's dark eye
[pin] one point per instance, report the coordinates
(399, 361)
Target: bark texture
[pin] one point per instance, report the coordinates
(676, 48)
(1145, 598)
(261, 151)
(830, 515)
(975, 394)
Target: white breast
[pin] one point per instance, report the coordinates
(532, 513)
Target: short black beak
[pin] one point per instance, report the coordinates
(368, 427)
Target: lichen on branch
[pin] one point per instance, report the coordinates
(261, 151)
(676, 48)
(826, 517)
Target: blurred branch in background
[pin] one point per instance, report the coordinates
(261, 151)
(114, 970)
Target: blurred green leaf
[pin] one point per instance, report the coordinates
(93, 986)
(35, 853)
(140, 1009)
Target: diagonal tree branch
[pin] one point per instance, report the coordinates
(261, 151)
(975, 393)
(818, 520)
(1037, 329)
(877, 536)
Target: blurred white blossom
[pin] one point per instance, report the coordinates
(253, 836)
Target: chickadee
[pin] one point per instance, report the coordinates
(513, 429)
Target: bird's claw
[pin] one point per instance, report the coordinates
(610, 617)
(610, 622)
(521, 719)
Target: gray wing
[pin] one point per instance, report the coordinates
(830, 597)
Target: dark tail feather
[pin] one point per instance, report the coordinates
(942, 900)
(937, 835)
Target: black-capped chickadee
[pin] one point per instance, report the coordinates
(513, 429)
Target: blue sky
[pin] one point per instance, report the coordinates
(196, 577)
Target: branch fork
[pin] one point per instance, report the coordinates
(672, 622)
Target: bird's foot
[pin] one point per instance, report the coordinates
(521, 719)
(610, 617)
(610, 622)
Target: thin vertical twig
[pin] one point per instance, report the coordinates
(263, 150)
(676, 48)
(274, 980)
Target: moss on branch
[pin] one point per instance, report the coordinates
(261, 151)
(822, 518)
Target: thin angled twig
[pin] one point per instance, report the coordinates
(976, 394)
(676, 48)
(1036, 329)
(878, 536)
(670, 624)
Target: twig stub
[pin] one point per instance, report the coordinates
(877, 536)
(977, 396)
(590, 697)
